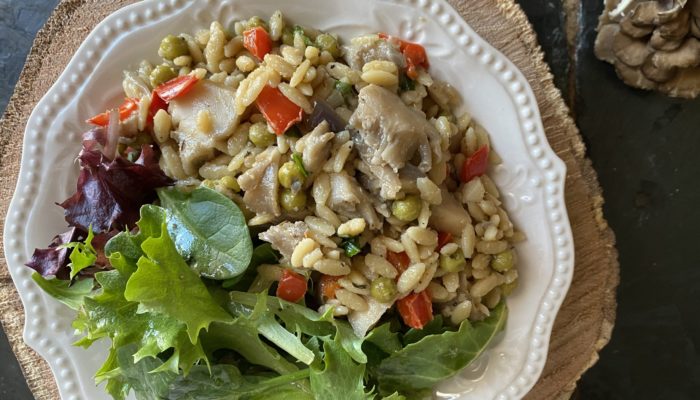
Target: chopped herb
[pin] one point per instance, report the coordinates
(351, 246)
(343, 87)
(406, 83)
(296, 157)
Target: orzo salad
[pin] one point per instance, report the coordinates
(273, 213)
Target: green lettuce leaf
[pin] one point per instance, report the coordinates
(262, 318)
(340, 377)
(243, 337)
(165, 284)
(227, 383)
(263, 254)
(384, 339)
(138, 376)
(83, 254)
(434, 358)
(151, 300)
(63, 291)
(301, 319)
(209, 230)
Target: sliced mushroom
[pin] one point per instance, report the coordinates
(656, 74)
(659, 42)
(633, 30)
(604, 42)
(632, 52)
(685, 84)
(686, 56)
(633, 77)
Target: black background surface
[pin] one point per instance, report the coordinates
(644, 147)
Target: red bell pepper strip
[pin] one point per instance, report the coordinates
(475, 165)
(292, 286)
(399, 260)
(125, 110)
(280, 112)
(157, 104)
(443, 239)
(257, 42)
(416, 309)
(414, 54)
(176, 87)
(328, 285)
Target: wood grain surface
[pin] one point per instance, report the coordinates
(585, 321)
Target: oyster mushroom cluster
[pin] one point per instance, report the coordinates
(654, 45)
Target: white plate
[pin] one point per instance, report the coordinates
(494, 91)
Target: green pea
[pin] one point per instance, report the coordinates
(508, 288)
(502, 262)
(288, 174)
(162, 74)
(293, 202)
(383, 289)
(288, 37)
(173, 46)
(454, 262)
(407, 209)
(328, 43)
(260, 136)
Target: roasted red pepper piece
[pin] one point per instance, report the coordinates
(292, 286)
(416, 309)
(128, 107)
(156, 104)
(176, 87)
(475, 165)
(257, 42)
(399, 260)
(280, 112)
(328, 286)
(414, 54)
(443, 239)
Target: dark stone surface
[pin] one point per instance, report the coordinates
(644, 148)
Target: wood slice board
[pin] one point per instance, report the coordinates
(585, 321)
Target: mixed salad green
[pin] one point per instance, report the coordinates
(182, 324)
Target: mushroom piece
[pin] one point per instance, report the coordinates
(653, 44)
(676, 28)
(657, 74)
(695, 27)
(675, 7)
(694, 7)
(685, 84)
(633, 30)
(659, 42)
(604, 42)
(633, 77)
(646, 13)
(630, 51)
(686, 56)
